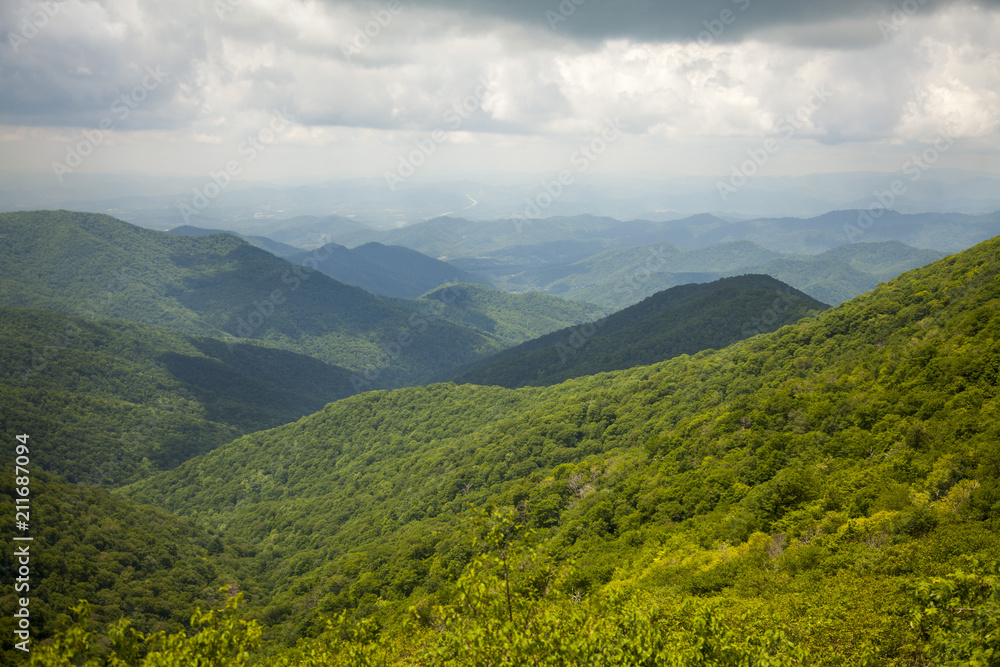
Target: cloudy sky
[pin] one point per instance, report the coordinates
(323, 88)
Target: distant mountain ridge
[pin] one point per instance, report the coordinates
(454, 237)
(388, 270)
(555, 254)
(681, 320)
(507, 318)
(263, 242)
(620, 277)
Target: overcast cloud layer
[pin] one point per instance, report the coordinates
(350, 88)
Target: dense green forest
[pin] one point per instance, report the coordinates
(115, 401)
(139, 563)
(681, 320)
(826, 494)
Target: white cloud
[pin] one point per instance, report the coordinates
(940, 70)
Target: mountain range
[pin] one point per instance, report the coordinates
(808, 483)
(153, 201)
(680, 320)
(821, 491)
(374, 267)
(221, 286)
(832, 257)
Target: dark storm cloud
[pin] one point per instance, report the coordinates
(685, 20)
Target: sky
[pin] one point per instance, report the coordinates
(311, 89)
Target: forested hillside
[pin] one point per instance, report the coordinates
(115, 401)
(96, 266)
(276, 248)
(825, 494)
(681, 320)
(139, 563)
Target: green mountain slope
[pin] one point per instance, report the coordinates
(793, 491)
(220, 286)
(681, 320)
(276, 248)
(115, 400)
(133, 562)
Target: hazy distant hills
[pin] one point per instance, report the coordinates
(220, 286)
(453, 238)
(617, 278)
(374, 267)
(680, 320)
(844, 272)
(616, 263)
(309, 231)
(257, 209)
(115, 401)
(388, 270)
